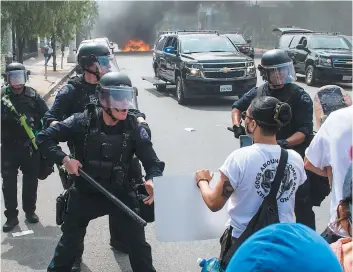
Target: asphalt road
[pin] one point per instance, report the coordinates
(183, 152)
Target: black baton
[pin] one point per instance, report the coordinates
(112, 198)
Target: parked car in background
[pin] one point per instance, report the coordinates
(201, 64)
(318, 55)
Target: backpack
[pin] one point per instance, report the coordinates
(266, 215)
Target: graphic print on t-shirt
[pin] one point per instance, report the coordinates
(266, 175)
(93, 99)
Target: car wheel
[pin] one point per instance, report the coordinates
(180, 91)
(310, 75)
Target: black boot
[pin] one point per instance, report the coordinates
(10, 224)
(77, 265)
(32, 218)
(119, 246)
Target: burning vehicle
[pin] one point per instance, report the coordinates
(136, 46)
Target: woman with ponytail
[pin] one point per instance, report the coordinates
(247, 175)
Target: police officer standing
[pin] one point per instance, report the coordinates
(279, 75)
(95, 60)
(112, 136)
(17, 150)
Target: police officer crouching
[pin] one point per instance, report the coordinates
(21, 107)
(111, 137)
(94, 60)
(279, 75)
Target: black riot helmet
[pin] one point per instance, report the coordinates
(16, 75)
(115, 91)
(95, 54)
(277, 68)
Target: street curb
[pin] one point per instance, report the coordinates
(57, 83)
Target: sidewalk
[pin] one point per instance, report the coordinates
(37, 77)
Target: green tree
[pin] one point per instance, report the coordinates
(22, 16)
(87, 25)
(61, 19)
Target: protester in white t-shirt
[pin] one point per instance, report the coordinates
(330, 154)
(246, 175)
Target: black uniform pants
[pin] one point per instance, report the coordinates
(303, 207)
(116, 234)
(82, 208)
(14, 156)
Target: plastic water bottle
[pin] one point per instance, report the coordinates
(211, 265)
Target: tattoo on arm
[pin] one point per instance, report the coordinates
(227, 189)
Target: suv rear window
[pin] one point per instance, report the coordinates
(206, 43)
(284, 41)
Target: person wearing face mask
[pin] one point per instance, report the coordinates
(279, 75)
(17, 150)
(95, 60)
(104, 145)
(247, 174)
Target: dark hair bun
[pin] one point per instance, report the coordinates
(282, 114)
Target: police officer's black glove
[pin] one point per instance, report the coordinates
(238, 131)
(283, 143)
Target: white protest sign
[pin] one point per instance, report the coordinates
(180, 212)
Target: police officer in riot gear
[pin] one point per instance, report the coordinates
(112, 136)
(279, 75)
(17, 150)
(95, 60)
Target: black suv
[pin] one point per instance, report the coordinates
(201, 64)
(318, 56)
(243, 45)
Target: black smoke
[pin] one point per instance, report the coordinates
(122, 21)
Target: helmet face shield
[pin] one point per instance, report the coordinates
(117, 97)
(280, 74)
(16, 77)
(106, 64)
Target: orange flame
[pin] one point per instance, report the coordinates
(133, 45)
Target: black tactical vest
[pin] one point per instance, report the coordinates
(84, 94)
(107, 157)
(27, 104)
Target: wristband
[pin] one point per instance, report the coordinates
(201, 180)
